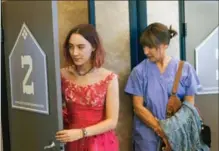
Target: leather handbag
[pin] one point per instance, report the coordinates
(174, 103)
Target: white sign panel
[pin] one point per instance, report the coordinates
(207, 63)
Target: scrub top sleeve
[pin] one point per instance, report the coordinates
(135, 83)
(191, 82)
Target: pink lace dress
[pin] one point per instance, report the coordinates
(85, 106)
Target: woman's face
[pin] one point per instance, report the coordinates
(155, 54)
(80, 49)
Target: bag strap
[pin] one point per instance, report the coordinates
(177, 78)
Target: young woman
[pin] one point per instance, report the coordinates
(91, 94)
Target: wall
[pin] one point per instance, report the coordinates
(112, 23)
(70, 14)
(202, 18)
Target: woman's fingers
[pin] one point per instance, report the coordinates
(62, 136)
(167, 145)
(63, 139)
(61, 132)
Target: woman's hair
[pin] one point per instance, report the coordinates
(156, 34)
(89, 32)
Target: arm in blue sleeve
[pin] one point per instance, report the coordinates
(191, 82)
(134, 84)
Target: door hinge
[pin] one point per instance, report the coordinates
(184, 29)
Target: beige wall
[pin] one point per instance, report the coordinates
(112, 23)
(70, 14)
(166, 12)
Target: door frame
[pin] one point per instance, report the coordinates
(4, 104)
(137, 23)
(4, 99)
(182, 29)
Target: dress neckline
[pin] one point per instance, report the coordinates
(91, 84)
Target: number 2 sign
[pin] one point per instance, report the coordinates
(28, 74)
(27, 60)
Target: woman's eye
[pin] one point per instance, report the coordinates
(80, 47)
(70, 47)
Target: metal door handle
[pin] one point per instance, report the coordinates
(50, 146)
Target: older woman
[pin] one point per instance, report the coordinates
(150, 84)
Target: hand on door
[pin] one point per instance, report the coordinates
(71, 135)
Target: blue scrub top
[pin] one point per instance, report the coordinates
(146, 80)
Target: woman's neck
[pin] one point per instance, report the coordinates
(162, 65)
(164, 61)
(85, 68)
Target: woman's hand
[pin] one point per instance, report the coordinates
(159, 131)
(161, 134)
(71, 135)
(167, 145)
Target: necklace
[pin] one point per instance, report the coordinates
(83, 74)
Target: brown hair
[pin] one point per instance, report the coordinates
(89, 32)
(156, 34)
